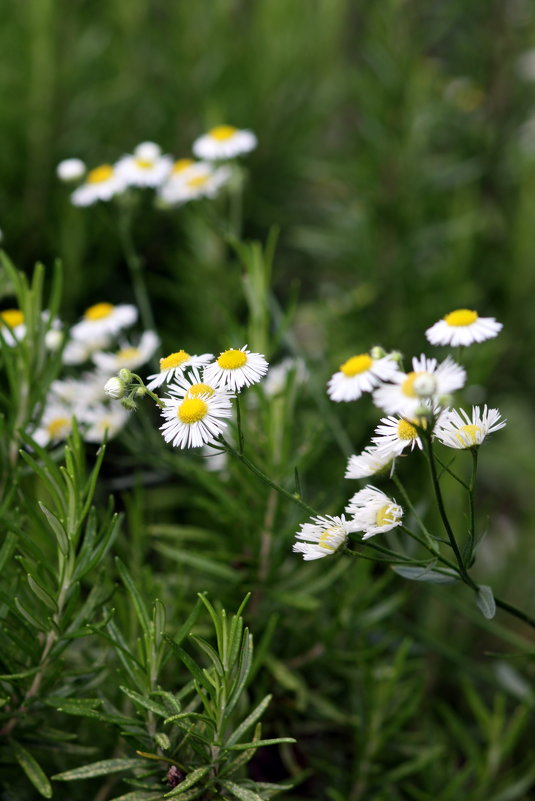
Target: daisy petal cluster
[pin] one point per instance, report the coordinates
(174, 365)
(235, 369)
(373, 512)
(323, 537)
(463, 327)
(224, 142)
(101, 183)
(457, 429)
(145, 167)
(190, 180)
(371, 462)
(358, 374)
(195, 420)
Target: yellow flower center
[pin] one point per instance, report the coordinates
(461, 317)
(99, 311)
(126, 354)
(59, 427)
(384, 516)
(13, 317)
(408, 385)
(182, 164)
(143, 164)
(100, 174)
(174, 360)
(200, 389)
(325, 540)
(192, 410)
(470, 433)
(222, 132)
(356, 364)
(232, 359)
(406, 430)
(197, 181)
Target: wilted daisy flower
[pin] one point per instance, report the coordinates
(224, 142)
(360, 374)
(463, 327)
(373, 512)
(146, 167)
(70, 170)
(457, 430)
(236, 369)
(12, 327)
(323, 537)
(427, 382)
(55, 425)
(195, 420)
(130, 356)
(104, 421)
(394, 434)
(102, 183)
(370, 462)
(173, 365)
(104, 319)
(191, 180)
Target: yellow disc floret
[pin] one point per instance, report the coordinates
(99, 311)
(461, 317)
(222, 132)
(192, 410)
(468, 435)
(325, 540)
(406, 430)
(356, 364)
(59, 427)
(100, 174)
(13, 317)
(143, 164)
(181, 165)
(200, 389)
(384, 516)
(126, 354)
(232, 359)
(197, 181)
(408, 385)
(174, 360)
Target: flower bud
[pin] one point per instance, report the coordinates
(162, 740)
(70, 170)
(115, 388)
(129, 404)
(125, 375)
(377, 352)
(140, 392)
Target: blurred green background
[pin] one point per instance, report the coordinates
(397, 155)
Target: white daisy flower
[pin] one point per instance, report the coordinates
(370, 462)
(463, 327)
(323, 537)
(224, 142)
(190, 181)
(146, 167)
(426, 383)
(194, 421)
(104, 421)
(394, 434)
(70, 170)
(173, 365)
(277, 377)
(360, 374)
(79, 393)
(104, 320)
(102, 183)
(373, 512)
(129, 356)
(12, 326)
(78, 351)
(55, 425)
(457, 430)
(236, 369)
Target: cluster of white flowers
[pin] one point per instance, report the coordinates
(98, 342)
(175, 181)
(415, 402)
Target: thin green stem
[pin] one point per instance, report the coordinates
(135, 265)
(239, 425)
(430, 541)
(471, 501)
(451, 473)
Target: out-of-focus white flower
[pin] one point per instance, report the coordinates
(104, 421)
(463, 327)
(360, 374)
(323, 537)
(54, 338)
(373, 512)
(525, 65)
(12, 326)
(457, 430)
(130, 356)
(102, 183)
(224, 142)
(194, 421)
(70, 170)
(80, 393)
(104, 320)
(427, 382)
(146, 167)
(55, 425)
(192, 180)
(173, 365)
(236, 369)
(370, 462)
(277, 377)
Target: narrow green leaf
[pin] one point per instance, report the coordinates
(101, 768)
(246, 658)
(138, 795)
(443, 575)
(57, 528)
(7, 549)
(133, 591)
(145, 701)
(32, 769)
(249, 721)
(242, 793)
(485, 601)
(34, 622)
(191, 779)
(211, 653)
(41, 593)
(259, 744)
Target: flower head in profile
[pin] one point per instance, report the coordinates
(427, 383)
(101, 183)
(323, 537)
(195, 420)
(70, 170)
(12, 326)
(456, 429)
(103, 320)
(190, 180)
(373, 512)
(463, 327)
(173, 365)
(235, 369)
(224, 142)
(371, 462)
(129, 355)
(145, 167)
(358, 374)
